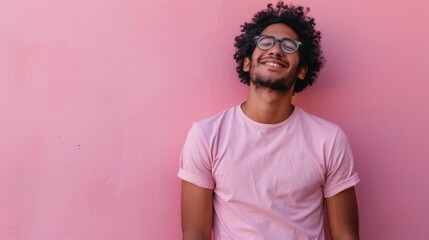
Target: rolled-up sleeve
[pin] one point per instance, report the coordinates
(196, 160)
(340, 173)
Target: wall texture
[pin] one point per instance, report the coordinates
(96, 98)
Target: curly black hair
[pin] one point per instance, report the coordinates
(296, 18)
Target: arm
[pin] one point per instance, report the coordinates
(197, 211)
(342, 213)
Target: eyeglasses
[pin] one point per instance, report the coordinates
(266, 42)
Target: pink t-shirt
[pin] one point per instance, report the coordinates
(269, 180)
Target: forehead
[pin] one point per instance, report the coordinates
(280, 30)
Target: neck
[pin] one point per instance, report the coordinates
(267, 106)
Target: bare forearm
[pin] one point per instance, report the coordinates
(346, 236)
(191, 236)
(343, 216)
(348, 230)
(197, 210)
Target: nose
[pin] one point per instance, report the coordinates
(276, 50)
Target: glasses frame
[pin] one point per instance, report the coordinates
(258, 39)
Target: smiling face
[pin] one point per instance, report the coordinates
(273, 68)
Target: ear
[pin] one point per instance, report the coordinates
(246, 64)
(302, 72)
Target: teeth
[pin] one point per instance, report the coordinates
(273, 64)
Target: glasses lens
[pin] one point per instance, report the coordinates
(265, 43)
(289, 46)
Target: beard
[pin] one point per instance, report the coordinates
(282, 84)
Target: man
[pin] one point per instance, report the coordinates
(266, 169)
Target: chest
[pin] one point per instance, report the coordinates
(267, 168)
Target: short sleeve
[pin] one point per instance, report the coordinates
(196, 160)
(340, 173)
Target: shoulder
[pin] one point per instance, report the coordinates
(214, 123)
(313, 121)
(318, 127)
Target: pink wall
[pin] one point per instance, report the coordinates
(96, 98)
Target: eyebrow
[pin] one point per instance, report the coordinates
(281, 39)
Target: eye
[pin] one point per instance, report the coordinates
(289, 46)
(265, 43)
